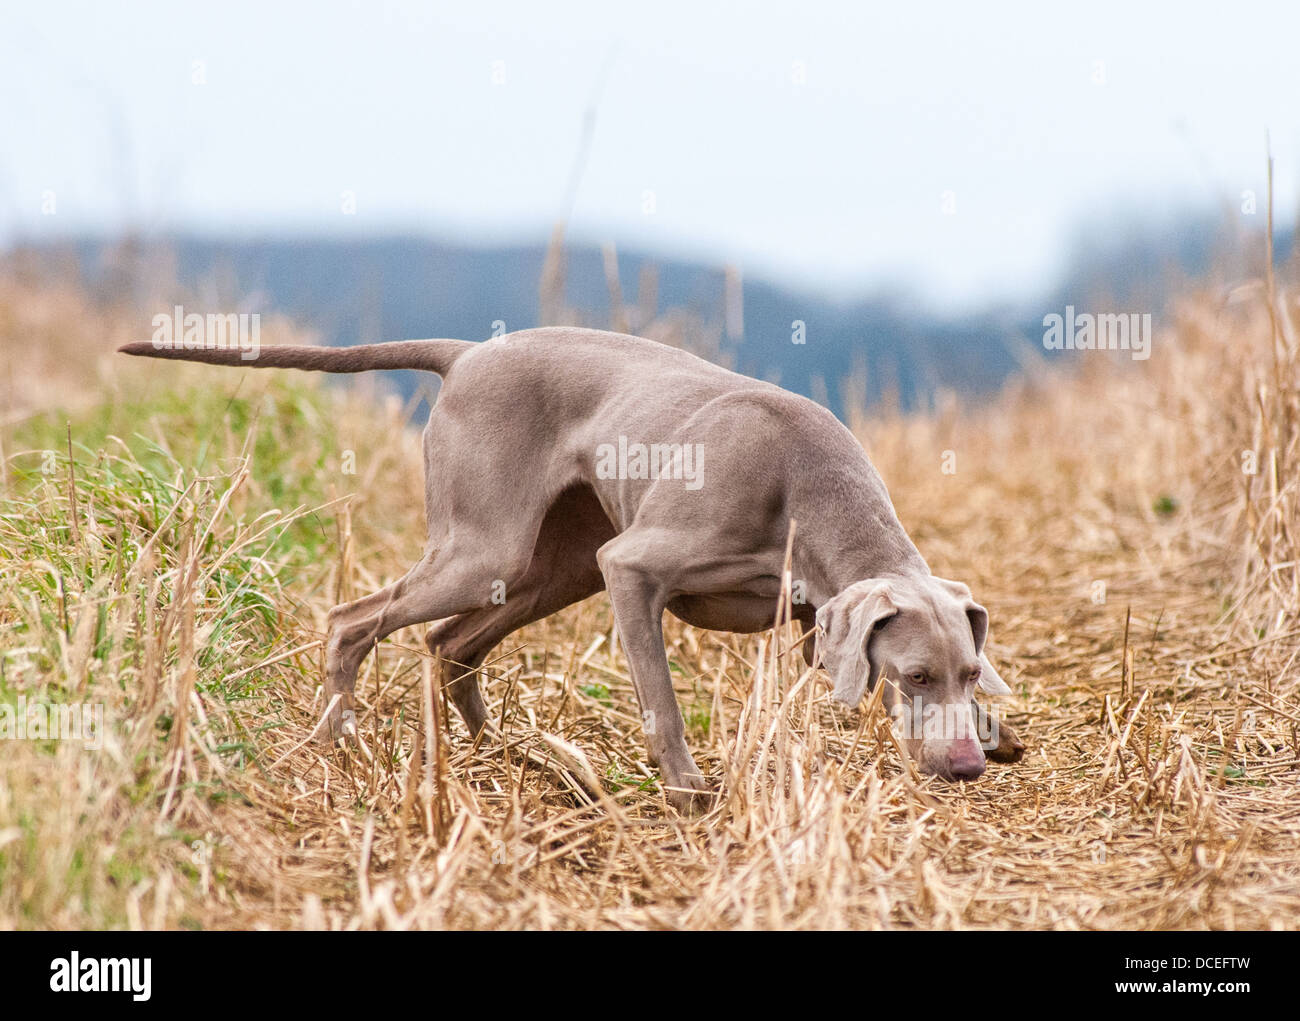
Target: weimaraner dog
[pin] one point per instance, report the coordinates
(559, 462)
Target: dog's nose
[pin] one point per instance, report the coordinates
(965, 761)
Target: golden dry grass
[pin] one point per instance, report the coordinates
(1143, 590)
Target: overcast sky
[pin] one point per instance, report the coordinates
(952, 148)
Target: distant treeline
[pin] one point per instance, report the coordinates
(354, 291)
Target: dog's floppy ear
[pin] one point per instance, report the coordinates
(845, 625)
(989, 681)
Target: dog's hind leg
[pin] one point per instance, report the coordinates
(563, 571)
(454, 579)
(465, 641)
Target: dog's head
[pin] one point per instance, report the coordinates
(925, 636)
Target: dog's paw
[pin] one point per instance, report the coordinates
(339, 725)
(1009, 748)
(690, 794)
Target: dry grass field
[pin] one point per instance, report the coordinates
(172, 536)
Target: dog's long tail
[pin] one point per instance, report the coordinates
(430, 355)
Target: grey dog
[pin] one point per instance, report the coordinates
(561, 462)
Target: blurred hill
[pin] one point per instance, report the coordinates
(853, 352)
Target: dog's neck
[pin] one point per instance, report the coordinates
(829, 570)
(848, 530)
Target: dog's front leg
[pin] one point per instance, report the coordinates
(638, 603)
